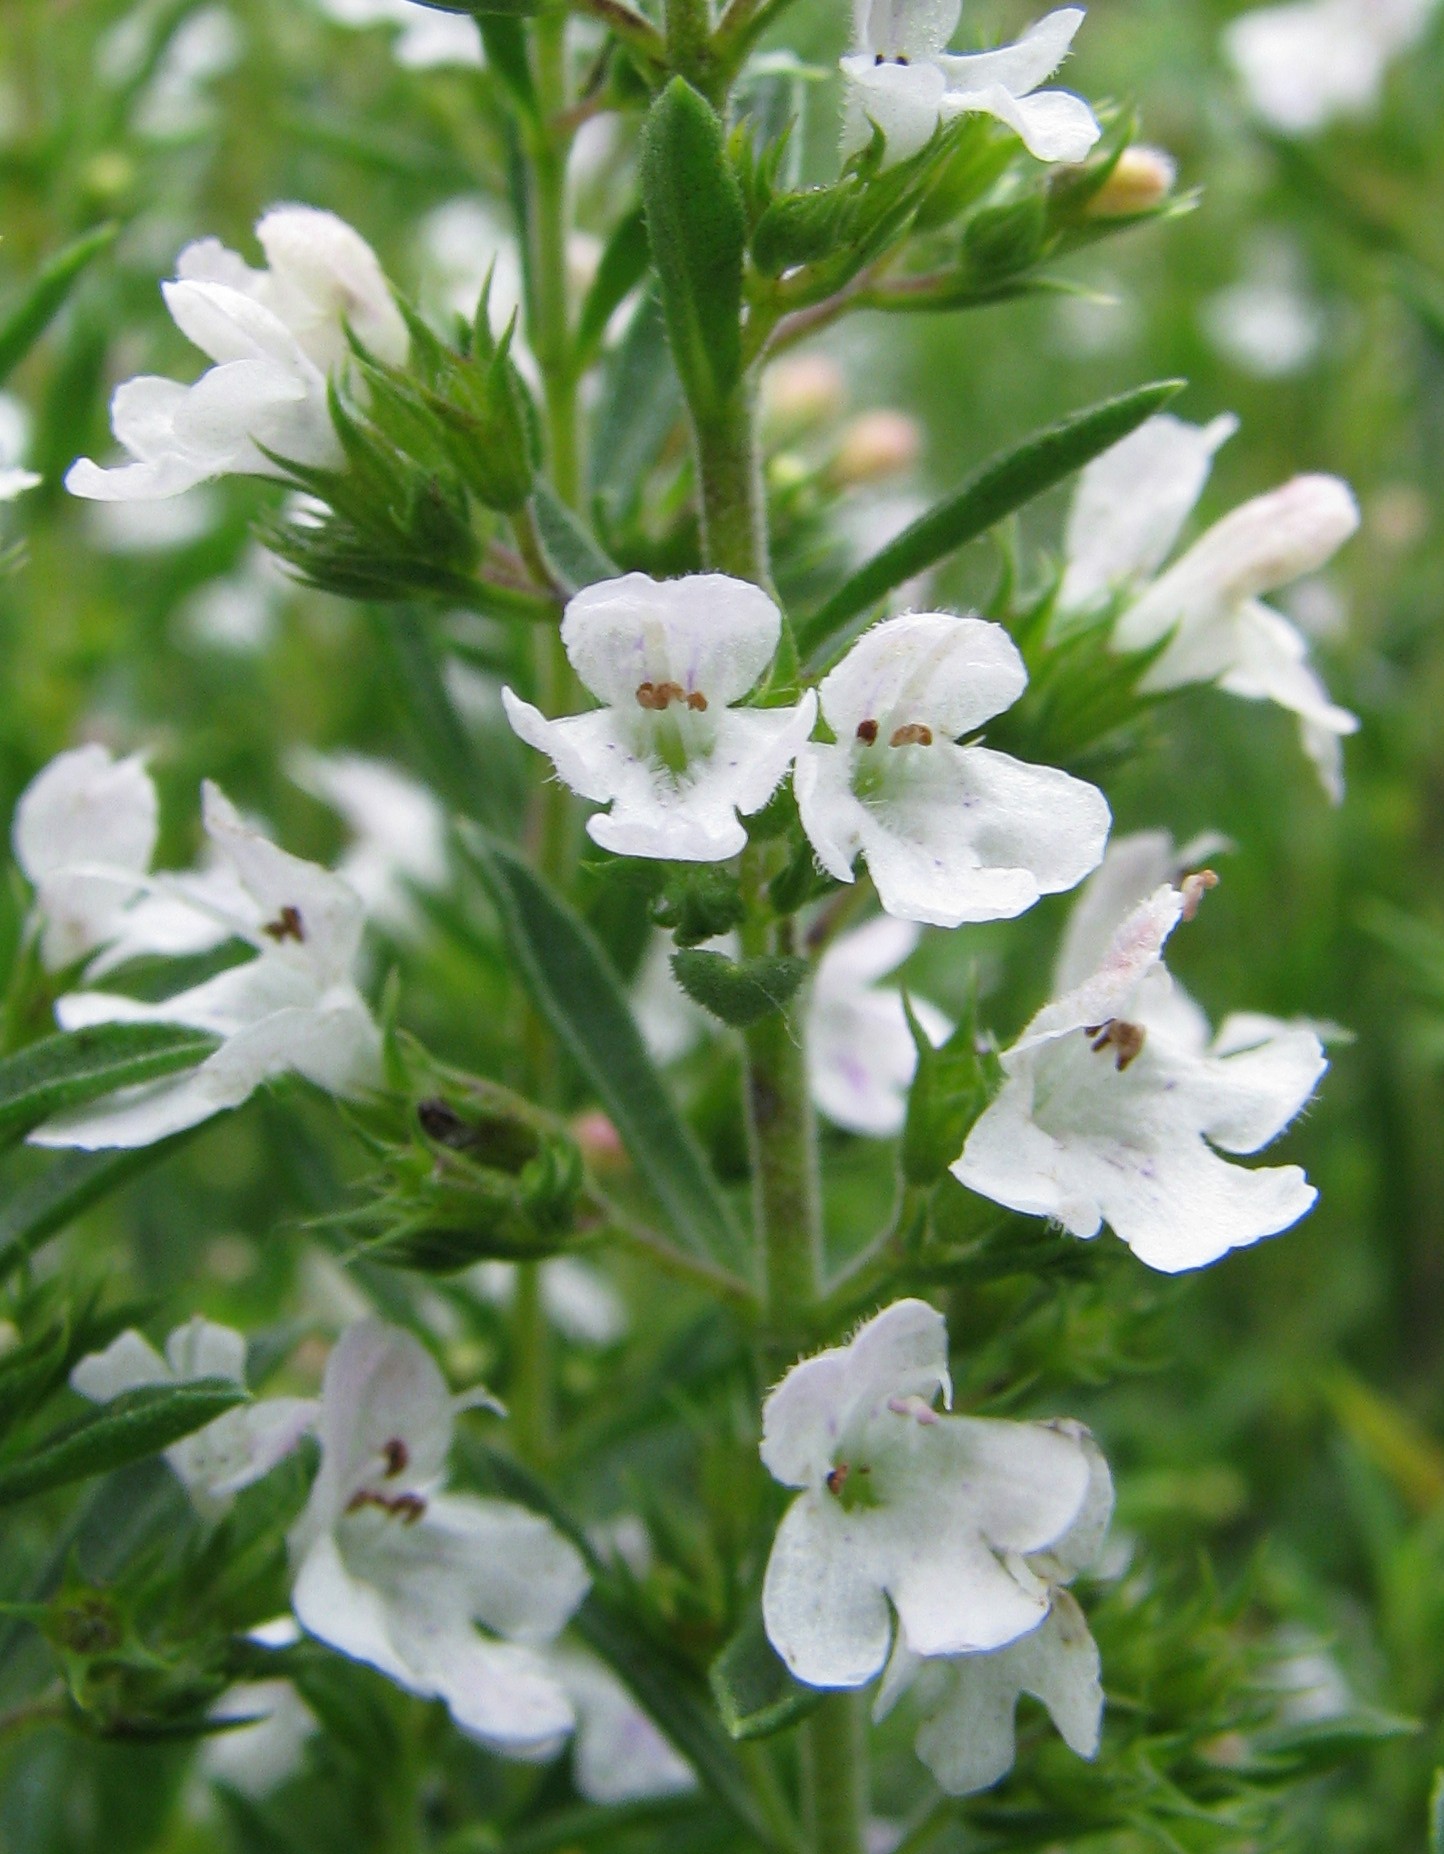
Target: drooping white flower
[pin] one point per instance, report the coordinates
(934, 1515)
(618, 1754)
(951, 833)
(1117, 1108)
(394, 1571)
(670, 753)
(968, 1702)
(1305, 63)
(860, 1053)
(398, 828)
(82, 812)
(260, 1756)
(294, 1008)
(236, 1449)
(1130, 507)
(15, 479)
(903, 79)
(1219, 630)
(428, 38)
(1131, 503)
(275, 336)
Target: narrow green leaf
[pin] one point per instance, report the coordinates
(622, 267)
(1001, 487)
(698, 228)
(754, 1691)
(574, 987)
(79, 1066)
(571, 553)
(447, 755)
(739, 992)
(506, 54)
(640, 405)
(24, 323)
(30, 1372)
(1436, 1815)
(141, 1423)
(66, 1189)
(664, 1686)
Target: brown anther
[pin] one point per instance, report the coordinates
(1118, 1034)
(659, 696)
(1194, 887)
(879, 59)
(837, 1479)
(915, 734)
(396, 1456)
(407, 1507)
(867, 732)
(697, 701)
(286, 926)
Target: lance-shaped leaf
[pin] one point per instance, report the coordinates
(571, 553)
(1002, 486)
(72, 1181)
(573, 986)
(697, 227)
(755, 1693)
(26, 320)
(140, 1423)
(640, 404)
(69, 1070)
(623, 265)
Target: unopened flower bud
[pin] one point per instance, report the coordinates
(1142, 178)
(802, 391)
(600, 1143)
(875, 446)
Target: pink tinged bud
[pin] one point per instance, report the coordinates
(802, 391)
(1142, 179)
(600, 1142)
(875, 446)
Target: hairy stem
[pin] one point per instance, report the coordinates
(835, 1764)
(729, 472)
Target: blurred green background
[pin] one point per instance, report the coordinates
(1283, 1416)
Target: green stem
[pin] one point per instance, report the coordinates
(690, 51)
(552, 336)
(729, 472)
(530, 1397)
(835, 1765)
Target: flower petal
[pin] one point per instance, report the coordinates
(1131, 504)
(203, 1349)
(905, 101)
(946, 672)
(1053, 125)
(710, 634)
(1020, 67)
(822, 1598)
(128, 1363)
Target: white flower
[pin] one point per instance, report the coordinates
(1131, 503)
(394, 1571)
(82, 812)
(14, 439)
(1115, 1100)
(860, 1053)
(676, 760)
(1130, 507)
(398, 827)
(968, 1702)
(618, 1754)
(951, 833)
(1305, 63)
(275, 336)
(428, 39)
(236, 1449)
(293, 1008)
(1208, 606)
(258, 1757)
(935, 1515)
(1133, 868)
(904, 80)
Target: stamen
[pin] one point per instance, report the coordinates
(1194, 887)
(867, 732)
(286, 926)
(659, 696)
(837, 1479)
(396, 1456)
(407, 1507)
(1118, 1034)
(915, 734)
(697, 701)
